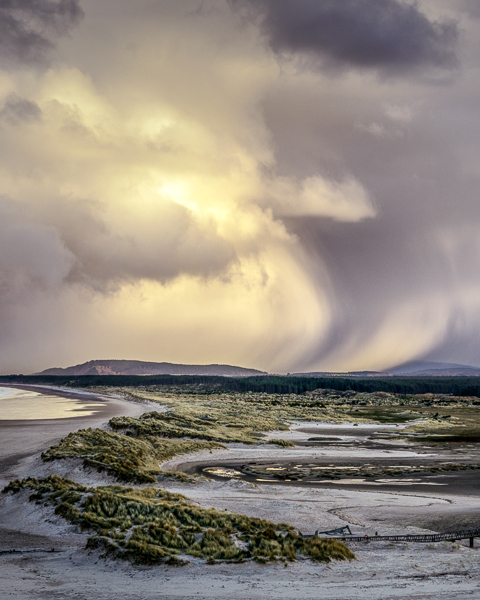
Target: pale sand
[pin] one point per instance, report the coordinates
(381, 572)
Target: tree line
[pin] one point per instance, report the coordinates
(271, 384)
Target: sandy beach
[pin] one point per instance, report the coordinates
(29, 570)
(22, 440)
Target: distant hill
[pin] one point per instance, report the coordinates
(415, 368)
(421, 368)
(339, 374)
(140, 367)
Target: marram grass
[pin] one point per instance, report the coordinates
(179, 423)
(135, 447)
(282, 443)
(240, 415)
(151, 525)
(128, 458)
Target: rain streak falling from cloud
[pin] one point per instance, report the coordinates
(277, 184)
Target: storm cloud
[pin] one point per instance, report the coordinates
(389, 35)
(472, 7)
(29, 28)
(15, 110)
(177, 189)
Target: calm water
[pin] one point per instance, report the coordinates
(28, 405)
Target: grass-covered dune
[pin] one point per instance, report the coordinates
(133, 450)
(238, 416)
(128, 458)
(177, 425)
(180, 424)
(151, 525)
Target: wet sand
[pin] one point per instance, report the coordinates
(22, 439)
(381, 571)
(344, 448)
(464, 483)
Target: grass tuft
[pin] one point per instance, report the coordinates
(151, 525)
(283, 443)
(130, 459)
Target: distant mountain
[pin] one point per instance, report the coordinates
(339, 374)
(140, 367)
(421, 368)
(414, 368)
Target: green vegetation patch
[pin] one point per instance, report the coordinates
(198, 420)
(176, 424)
(281, 442)
(128, 458)
(433, 418)
(451, 424)
(243, 417)
(234, 416)
(151, 525)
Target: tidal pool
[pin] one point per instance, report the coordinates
(223, 472)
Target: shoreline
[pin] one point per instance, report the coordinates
(22, 440)
(382, 571)
(74, 394)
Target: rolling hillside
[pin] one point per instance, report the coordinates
(139, 367)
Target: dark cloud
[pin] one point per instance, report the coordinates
(388, 35)
(28, 28)
(172, 243)
(472, 7)
(17, 110)
(70, 243)
(176, 252)
(411, 274)
(32, 254)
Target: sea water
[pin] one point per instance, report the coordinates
(29, 405)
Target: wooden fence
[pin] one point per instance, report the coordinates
(462, 534)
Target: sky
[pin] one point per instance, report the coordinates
(287, 185)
